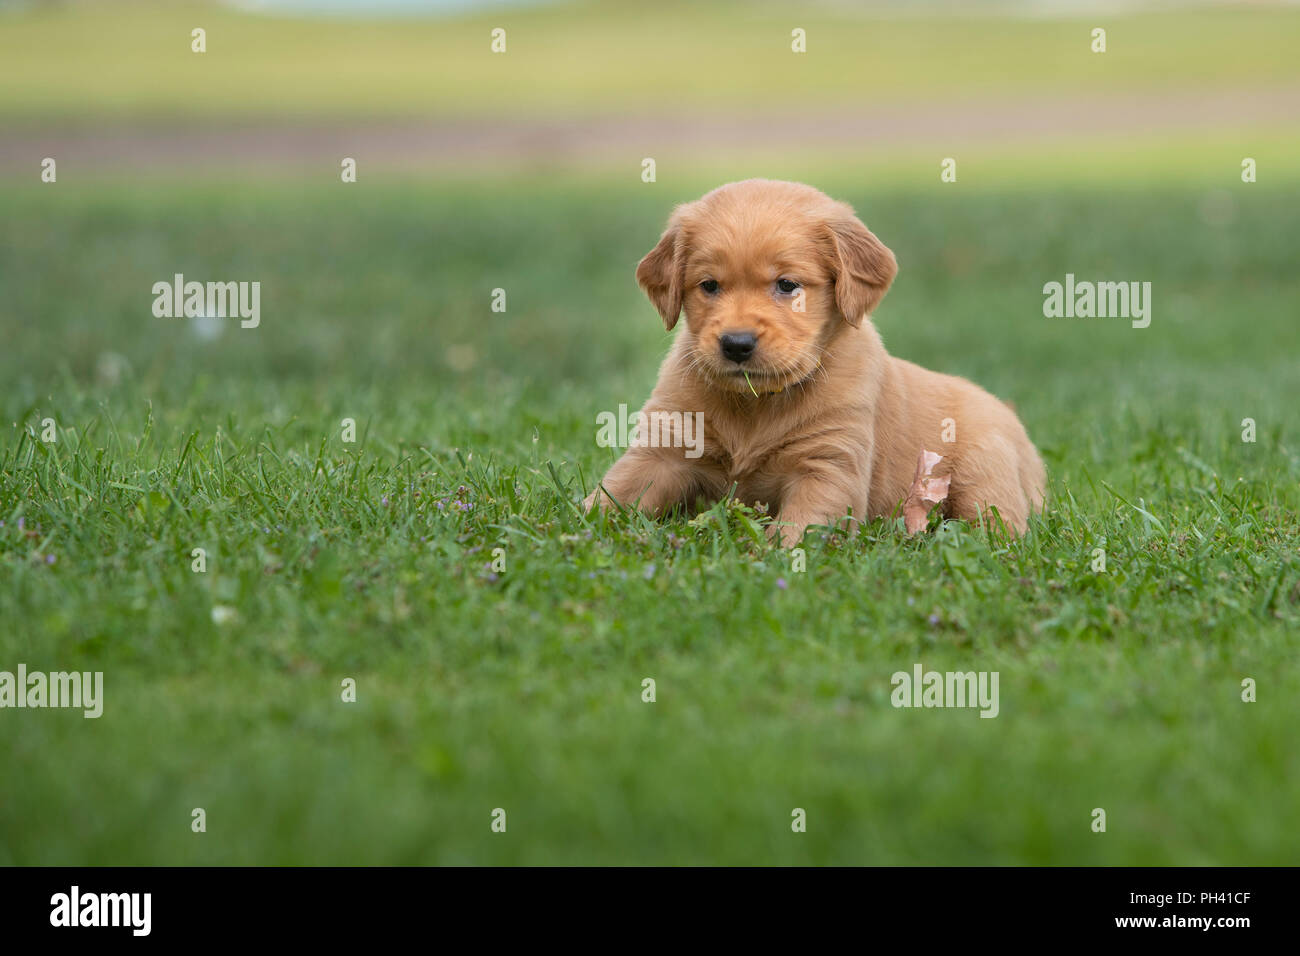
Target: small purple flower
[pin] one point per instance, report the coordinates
(21, 522)
(492, 577)
(934, 620)
(384, 501)
(781, 583)
(49, 559)
(649, 571)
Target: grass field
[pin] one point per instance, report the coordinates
(1119, 691)
(476, 430)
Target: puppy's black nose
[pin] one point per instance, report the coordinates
(738, 346)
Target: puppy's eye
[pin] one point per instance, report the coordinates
(710, 286)
(786, 286)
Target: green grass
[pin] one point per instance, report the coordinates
(99, 61)
(1118, 690)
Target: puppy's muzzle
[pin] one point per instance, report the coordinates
(738, 346)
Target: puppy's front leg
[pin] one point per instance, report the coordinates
(823, 494)
(654, 479)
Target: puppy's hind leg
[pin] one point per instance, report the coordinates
(1033, 476)
(989, 476)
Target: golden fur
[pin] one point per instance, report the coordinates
(837, 424)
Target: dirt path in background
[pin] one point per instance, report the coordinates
(461, 143)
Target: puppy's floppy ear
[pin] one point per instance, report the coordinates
(863, 268)
(660, 274)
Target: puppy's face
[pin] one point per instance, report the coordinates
(768, 273)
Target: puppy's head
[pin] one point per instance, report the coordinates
(768, 273)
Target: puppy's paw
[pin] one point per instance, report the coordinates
(598, 501)
(787, 534)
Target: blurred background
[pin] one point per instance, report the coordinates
(478, 170)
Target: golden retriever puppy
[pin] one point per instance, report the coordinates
(801, 406)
